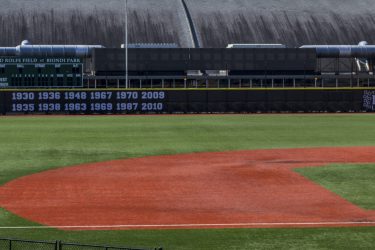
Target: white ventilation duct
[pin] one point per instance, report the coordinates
(348, 51)
(28, 50)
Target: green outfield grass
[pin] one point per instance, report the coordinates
(355, 183)
(33, 144)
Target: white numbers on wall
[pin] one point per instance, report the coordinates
(151, 95)
(23, 96)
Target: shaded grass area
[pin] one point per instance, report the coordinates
(355, 183)
(33, 144)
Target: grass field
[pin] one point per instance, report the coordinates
(354, 183)
(33, 144)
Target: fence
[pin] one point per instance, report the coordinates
(17, 244)
(186, 101)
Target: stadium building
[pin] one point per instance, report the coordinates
(167, 66)
(193, 63)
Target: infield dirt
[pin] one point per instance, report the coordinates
(209, 190)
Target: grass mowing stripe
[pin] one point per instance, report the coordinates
(354, 183)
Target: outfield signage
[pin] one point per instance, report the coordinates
(84, 102)
(184, 101)
(369, 100)
(34, 72)
(4, 82)
(26, 60)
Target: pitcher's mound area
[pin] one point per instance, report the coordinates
(231, 189)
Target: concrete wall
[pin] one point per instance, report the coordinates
(219, 22)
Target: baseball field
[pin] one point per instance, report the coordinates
(190, 181)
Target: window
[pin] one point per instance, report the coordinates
(60, 81)
(75, 70)
(70, 81)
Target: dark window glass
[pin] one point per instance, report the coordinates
(60, 81)
(70, 81)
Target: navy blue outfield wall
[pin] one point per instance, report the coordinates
(185, 101)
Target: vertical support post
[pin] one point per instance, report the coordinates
(126, 44)
(294, 82)
(58, 245)
(351, 73)
(162, 83)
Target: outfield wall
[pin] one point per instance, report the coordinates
(185, 101)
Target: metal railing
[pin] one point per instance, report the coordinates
(228, 82)
(17, 244)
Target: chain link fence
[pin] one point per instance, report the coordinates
(16, 244)
(10, 244)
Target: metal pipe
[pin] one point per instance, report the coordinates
(126, 45)
(56, 50)
(25, 49)
(347, 51)
(8, 51)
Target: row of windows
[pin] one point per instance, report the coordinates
(46, 81)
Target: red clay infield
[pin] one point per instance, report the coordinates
(255, 188)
